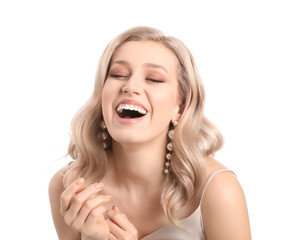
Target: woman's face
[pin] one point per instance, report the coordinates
(140, 95)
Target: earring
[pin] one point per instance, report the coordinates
(169, 147)
(104, 135)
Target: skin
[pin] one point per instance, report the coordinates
(126, 204)
(136, 77)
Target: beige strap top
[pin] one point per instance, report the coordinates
(193, 224)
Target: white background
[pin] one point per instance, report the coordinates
(48, 57)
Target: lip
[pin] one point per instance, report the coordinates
(129, 121)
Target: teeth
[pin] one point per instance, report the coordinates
(131, 108)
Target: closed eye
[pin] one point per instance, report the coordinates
(118, 76)
(154, 80)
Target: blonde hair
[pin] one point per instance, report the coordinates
(195, 137)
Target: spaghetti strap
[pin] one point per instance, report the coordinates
(210, 178)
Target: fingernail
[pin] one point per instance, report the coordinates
(115, 208)
(99, 186)
(108, 197)
(80, 181)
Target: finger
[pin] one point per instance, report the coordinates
(121, 220)
(96, 215)
(79, 200)
(115, 230)
(95, 226)
(88, 206)
(116, 209)
(68, 194)
(112, 237)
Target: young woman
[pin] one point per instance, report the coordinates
(142, 150)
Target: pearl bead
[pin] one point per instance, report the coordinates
(171, 134)
(102, 125)
(104, 136)
(169, 146)
(105, 145)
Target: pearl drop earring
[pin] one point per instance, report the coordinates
(169, 148)
(104, 135)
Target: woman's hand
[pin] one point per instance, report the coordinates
(120, 227)
(83, 210)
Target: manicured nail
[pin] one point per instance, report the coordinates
(80, 181)
(115, 208)
(99, 186)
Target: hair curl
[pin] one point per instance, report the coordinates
(195, 137)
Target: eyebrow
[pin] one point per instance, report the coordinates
(149, 65)
(122, 62)
(152, 65)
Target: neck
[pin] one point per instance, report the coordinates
(138, 167)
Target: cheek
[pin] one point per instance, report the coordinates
(166, 103)
(106, 98)
(108, 91)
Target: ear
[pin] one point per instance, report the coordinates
(178, 112)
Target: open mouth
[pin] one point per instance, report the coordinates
(130, 111)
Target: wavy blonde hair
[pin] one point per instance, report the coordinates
(195, 137)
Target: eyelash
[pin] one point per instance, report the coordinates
(124, 76)
(117, 76)
(155, 80)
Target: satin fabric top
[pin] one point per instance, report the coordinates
(193, 229)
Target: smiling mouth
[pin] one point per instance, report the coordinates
(130, 111)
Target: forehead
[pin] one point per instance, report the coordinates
(142, 52)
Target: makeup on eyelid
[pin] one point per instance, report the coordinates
(148, 67)
(153, 76)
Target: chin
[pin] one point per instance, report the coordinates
(125, 141)
(128, 137)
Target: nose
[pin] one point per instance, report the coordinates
(132, 86)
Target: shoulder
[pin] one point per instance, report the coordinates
(56, 182)
(224, 208)
(56, 188)
(67, 173)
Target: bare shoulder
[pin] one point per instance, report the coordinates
(56, 188)
(224, 208)
(56, 182)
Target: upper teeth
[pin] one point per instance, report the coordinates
(132, 108)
